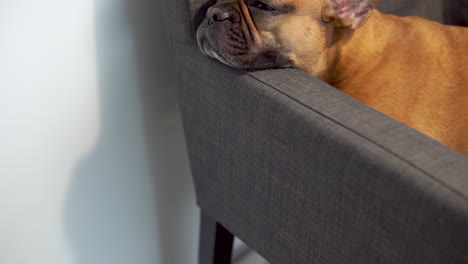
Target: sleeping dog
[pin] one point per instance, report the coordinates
(409, 68)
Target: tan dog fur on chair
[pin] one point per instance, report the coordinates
(409, 68)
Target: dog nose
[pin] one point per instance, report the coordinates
(222, 13)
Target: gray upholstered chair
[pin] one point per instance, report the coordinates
(303, 173)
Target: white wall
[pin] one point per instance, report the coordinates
(93, 168)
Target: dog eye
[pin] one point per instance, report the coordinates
(262, 6)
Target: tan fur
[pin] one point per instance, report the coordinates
(411, 69)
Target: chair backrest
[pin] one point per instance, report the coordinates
(430, 9)
(177, 20)
(304, 174)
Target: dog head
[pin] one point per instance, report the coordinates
(260, 34)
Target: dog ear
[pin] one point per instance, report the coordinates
(349, 13)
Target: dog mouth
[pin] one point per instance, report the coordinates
(235, 40)
(226, 39)
(223, 41)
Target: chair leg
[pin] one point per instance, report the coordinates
(215, 242)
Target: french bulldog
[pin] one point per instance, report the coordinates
(412, 69)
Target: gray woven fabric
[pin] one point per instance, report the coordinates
(452, 12)
(306, 174)
(456, 12)
(430, 9)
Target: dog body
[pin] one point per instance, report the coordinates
(409, 68)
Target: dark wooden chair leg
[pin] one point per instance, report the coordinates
(215, 242)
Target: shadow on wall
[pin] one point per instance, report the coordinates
(131, 199)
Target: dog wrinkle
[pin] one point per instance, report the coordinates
(252, 29)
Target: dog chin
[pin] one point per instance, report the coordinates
(258, 62)
(208, 50)
(211, 43)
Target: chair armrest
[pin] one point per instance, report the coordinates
(303, 173)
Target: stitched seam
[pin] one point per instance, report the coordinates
(362, 136)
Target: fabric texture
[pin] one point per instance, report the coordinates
(456, 12)
(303, 173)
(430, 9)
